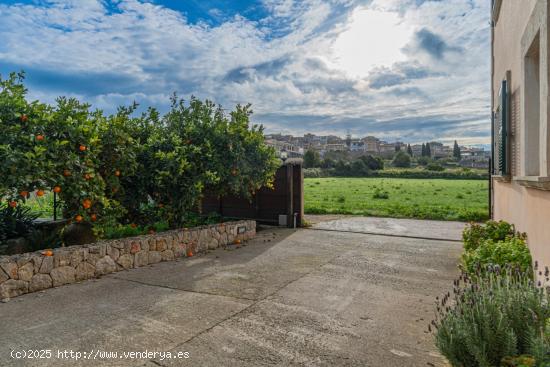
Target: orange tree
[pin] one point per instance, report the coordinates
(118, 159)
(196, 146)
(74, 147)
(24, 166)
(122, 168)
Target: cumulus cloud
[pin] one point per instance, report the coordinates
(289, 62)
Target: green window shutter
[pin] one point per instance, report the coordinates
(501, 132)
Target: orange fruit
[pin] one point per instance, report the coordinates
(133, 225)
(117, 173)
(39, 137)
(24, 118)
(86, 204)
(47, 253)
(40, 193)
(82, 148)
(93, 217)
(12, 204)
(66, 173)
(24, 193)
(78, 218)
(57, 189)
(87, 176)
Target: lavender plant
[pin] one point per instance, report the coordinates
(492, 317)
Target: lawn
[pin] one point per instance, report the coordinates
(463, 200)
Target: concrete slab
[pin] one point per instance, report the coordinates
(273, 259)
(107, 315)
(305, 297)
(393, 226)
(368, 306)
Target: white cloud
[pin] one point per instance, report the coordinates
(397, 68)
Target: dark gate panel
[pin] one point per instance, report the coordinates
(286, 198)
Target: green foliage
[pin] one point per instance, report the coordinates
(475, 234)
(380, 194)
(423, 160)
(15, 222)
(417, 173)
(120, 169)
(373, 163)
(435, 167)
(401, 159)
(328, 163)
(494, 243)
(513, 251)
(492, 319)
(312, 159)
(359, 168)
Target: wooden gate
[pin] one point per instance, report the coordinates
(282, 205)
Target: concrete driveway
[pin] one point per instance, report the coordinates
(314, 297)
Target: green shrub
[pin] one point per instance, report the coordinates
(401, 159)
(490, 321)
(511, 251)
(15, 222)
(107, 169)
(435, 167)
(475, 234)
(380, 194)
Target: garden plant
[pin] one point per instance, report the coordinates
(126, 169)
(498, 312)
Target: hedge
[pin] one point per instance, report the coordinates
(412, 173)
(123, 168)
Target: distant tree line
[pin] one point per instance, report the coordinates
(343, 164)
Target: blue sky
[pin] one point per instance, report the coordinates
(410, 70)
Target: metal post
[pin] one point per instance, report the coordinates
(290, 193)
(54, 206)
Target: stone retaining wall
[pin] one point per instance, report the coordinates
(32, 272)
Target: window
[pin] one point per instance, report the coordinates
(532, 109)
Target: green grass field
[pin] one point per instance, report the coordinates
(463, 200)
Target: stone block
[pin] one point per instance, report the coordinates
(26, 272)
(105, 265)
(167, 255)
(113, 252)
(126, 261)
(61, 258)
(13, 288)
(47, 265)
(141, 259)
(154, 257)
(40, 282)
(10, 268)
(84, 271)
(63, 275)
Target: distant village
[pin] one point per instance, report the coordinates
(296, 146)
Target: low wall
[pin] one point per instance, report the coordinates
(32, 272)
